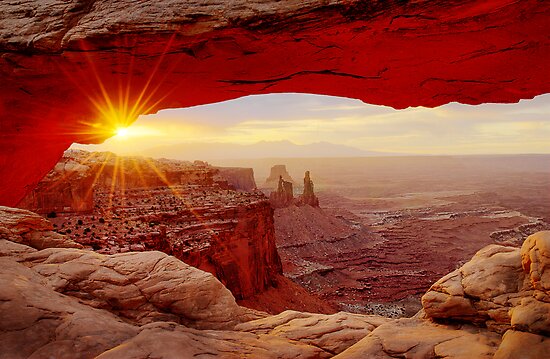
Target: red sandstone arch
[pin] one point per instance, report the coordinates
(66, 68)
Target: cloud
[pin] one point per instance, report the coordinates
(451, 129)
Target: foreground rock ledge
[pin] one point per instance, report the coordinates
(63, 63)
(68, 302)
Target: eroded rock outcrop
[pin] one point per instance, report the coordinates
(277, 173)
(25, 227)
(413, 338)
(241, 179)
(67, 303)
(308, 196)
(332, 333)
(185, 209)
(501, 288)
(505, 289)
(283, 196)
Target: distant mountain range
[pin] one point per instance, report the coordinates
(263, 149)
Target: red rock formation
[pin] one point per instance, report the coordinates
(308, 197)
(235, 242)
(73, 70)
(66, 303)
(66, 188)
(283, 196)
(277, 172)
(241, 179)
(181, 208)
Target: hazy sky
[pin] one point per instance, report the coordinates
(303, 119)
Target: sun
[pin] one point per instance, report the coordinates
(122, 132)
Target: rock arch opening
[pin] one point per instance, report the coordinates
(78, 70)
(62, 85)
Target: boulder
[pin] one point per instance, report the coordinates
(25, 227)
(140, 287)
(535, 260)
(333, 333)
(414, 338)
(522, 345)
(38, 322)
(482, 291)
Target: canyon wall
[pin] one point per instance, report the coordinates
(240, 250)
(67, 187)
(189, 210)
(74, 71)
(242, 179)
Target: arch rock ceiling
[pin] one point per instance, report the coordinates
(70, 67)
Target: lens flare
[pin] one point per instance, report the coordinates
(122, 132)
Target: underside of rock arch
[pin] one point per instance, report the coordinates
(71, 71)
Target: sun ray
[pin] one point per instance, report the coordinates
(190, 208)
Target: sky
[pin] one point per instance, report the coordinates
(303, 119)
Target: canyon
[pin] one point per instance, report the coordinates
(185, 209)
(190, 210)
(149, 304)
(387, 228)
(105, 274)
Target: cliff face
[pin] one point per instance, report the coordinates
(181, 208)
(64, 63)
(242, 179)
(67, 187)
(277, 172)
(240, 250)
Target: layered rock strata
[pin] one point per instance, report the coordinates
(276, 173)
(185, 209)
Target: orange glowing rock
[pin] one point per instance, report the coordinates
(73, 73)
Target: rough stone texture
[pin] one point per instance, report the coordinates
(242, 179)
(67, 303)
(501, 287)
(482, 291)
(166, 340)
(523, 345)
(63, 63)
(37, 322)
(535, 259)
(332, 333)
(181, 208)
(141, 287)
(412, 338)
(25, 227)
(47, 310)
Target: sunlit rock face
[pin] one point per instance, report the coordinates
(188, 210)
(70, 302)
(71, 70)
